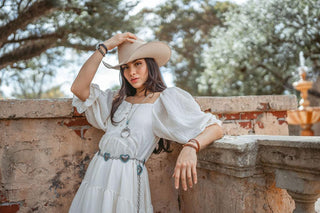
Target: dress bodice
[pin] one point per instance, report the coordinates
(174, 116)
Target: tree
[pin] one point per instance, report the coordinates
(257, 50)
(36, 77)
(186, 24)
(36, 82)
(53, 92)
(31, 30)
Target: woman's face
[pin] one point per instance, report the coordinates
(136, 73)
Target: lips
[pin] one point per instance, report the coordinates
(134, 80)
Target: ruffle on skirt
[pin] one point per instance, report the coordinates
(111, 186)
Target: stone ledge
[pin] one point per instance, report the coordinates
(248, 103)
(293, 161)
(36, 108)
(61, 107)
(289, 141)
(232, 155)
(242, 155)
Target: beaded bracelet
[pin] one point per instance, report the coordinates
(100, 50)
(193, 140)
(191, 145)
(104, 46)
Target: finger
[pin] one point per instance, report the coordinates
(183, 178)
(177, 177)
(194, 174)
(174, 172)
(131, 35)
(130, 40)
(189, 177)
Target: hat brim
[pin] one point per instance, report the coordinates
(157, 50)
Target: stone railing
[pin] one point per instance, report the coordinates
(45, 147)
(261, 165)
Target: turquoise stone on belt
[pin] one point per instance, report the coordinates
(139, 169)
(124, 158)
(106, 156)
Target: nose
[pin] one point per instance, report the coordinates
(132, 71)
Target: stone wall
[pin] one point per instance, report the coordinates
(45, 147)
(242, 115)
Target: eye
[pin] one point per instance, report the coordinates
(138, 63)
(124, 67)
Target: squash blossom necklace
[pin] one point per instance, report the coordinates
(125, 132)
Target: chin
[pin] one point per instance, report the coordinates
(136, 86)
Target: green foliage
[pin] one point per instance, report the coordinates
(38, 41)
(35, 77)
(29, 84)
(256, 51)
(53, 92)
(115, 87)
(186, 25)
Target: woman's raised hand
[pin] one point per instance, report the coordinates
(186, 168)
(118, 39)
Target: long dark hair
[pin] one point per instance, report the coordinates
(154, 83)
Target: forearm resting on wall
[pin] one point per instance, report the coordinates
(209, 135)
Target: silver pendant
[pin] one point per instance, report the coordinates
(125, 132)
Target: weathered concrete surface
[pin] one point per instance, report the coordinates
(35, 108)
(217, 192)
(42, 163)
(165, 198)
(45, 149)
(237, 104)
(243, 115)
(316, 128)
(261, 167)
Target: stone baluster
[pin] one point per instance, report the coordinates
(292, 162)
(296, 164)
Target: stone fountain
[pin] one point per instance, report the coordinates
(305, 115)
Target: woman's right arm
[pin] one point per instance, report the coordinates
(81, 85)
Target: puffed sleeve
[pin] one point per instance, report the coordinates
(177, 116)
(97, 106)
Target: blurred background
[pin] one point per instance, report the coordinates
(220, 48)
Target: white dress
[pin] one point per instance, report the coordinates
(111, 184)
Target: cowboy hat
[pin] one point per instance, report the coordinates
(128, 52)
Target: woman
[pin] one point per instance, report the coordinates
(135, 118)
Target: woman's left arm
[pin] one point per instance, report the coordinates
(187, 160)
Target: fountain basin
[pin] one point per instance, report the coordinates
(305, 118)
(310, 115)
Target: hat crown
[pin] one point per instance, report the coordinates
(126, 49)
(130, 51)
